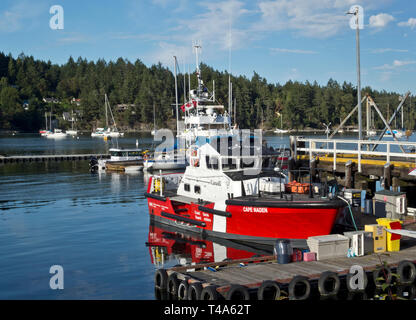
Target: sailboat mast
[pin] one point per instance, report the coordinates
(105, 106)
(176, 96)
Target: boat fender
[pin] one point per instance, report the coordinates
(173, 284)
(406, 271)
(381, 272)
(356, 289)
(238, 292)
(161, 279)
(302, 281)
(194, 291)
(183, 290)
(329, 284)
(209, 293)
(266, 286)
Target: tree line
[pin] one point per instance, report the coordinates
(25, 81)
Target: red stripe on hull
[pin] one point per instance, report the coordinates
(290, 223)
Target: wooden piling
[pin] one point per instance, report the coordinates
(348, 174)
(387, 176)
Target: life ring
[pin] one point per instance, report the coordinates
(161, 279)
(238, 292)
(380, 273)
(173, 284)
(183, 290)
(299, 281)
(329, 284)
(354, 289)
(269, 290)
(194, 152)
(406, 271)
(194, 291)
(209, 293)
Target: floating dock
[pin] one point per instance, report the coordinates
(51, 157)
(244, 279)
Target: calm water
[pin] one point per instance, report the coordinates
(96, 226)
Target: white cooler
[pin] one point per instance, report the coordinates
(329, 246)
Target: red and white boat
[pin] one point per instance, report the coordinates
(231, 197)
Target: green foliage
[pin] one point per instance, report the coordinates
(259, 103)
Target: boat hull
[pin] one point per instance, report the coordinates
(248, 223)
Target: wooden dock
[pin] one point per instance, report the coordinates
(51, 157)
(251, 273)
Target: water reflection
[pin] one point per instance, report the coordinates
(169, 247)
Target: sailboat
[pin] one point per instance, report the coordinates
(72, 132)
(45, 132)
(108, 131)
(281, 130)
(56, 133)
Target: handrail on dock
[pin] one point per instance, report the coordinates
(332, 146)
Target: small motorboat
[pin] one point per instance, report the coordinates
(124, 157)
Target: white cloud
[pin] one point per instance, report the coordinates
(380, 20)
(396, 64)
(293, 51)
(21, 14)
(215, 28)
(409, 23)
(383, 50)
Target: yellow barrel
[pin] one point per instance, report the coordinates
(393, 240)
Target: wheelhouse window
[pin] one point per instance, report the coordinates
(212, 162)
(134, 153)
(187, 187)
(228, 163)
(197, 189)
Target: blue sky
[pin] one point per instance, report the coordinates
(279, 39)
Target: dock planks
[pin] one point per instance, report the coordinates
(51, 157)
(252, 275)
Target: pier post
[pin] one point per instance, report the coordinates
(348, 174)
(387, 176)
(312, 165)
(291, 165)
(395, 183)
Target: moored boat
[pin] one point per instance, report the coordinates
(123, 157)
(232, 197)
(56, 134)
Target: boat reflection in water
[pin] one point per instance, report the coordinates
(170, 247)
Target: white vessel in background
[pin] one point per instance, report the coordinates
(203, 115)
(72, 132)
(109, 130)
(397, 133)
(133, 157)
(56, 134)
(280, 131)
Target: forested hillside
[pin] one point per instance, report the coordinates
(24, 82)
